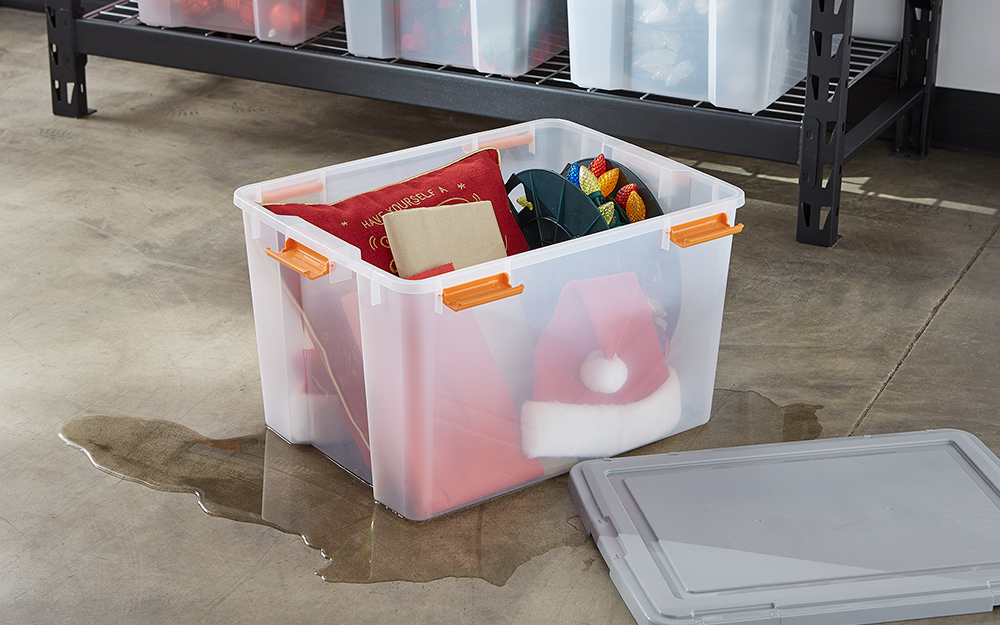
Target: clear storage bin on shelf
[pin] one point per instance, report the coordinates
(738, 54)
(432, 396)
(507, 37)
(288, 22)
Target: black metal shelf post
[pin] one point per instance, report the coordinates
(824, 124)
(826, 143)
(806, 126)
(67, 67)
(918, 67)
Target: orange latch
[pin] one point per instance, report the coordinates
(296, 256)
(480, 291)
(702, 230)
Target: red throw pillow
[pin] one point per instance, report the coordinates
(435, 271)
(358, 219)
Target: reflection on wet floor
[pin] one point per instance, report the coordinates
(262, 479)
(294, 488)
(744, 418)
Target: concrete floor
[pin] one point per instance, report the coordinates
(126, 298)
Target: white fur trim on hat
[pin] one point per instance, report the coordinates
(560, 430)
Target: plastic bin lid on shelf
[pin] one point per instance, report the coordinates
(836, 531)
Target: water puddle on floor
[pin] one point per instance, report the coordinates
(261, 479)
(744, 418)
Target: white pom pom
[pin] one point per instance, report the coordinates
(602, 375)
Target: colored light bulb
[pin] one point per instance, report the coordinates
(622, 196)
(599, 165)
(588, 181)
(607, 211)
(635, 208)
(608, 181)
(574, 174)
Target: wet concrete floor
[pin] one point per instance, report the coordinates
(260, 478)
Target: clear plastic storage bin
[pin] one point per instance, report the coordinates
(429, 394)
(282, 21)
(737, 54)
(506, 37)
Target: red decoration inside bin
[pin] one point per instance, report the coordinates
(464, 444)
(199, 9)
(285, 18)
(435, 29)
(358, 219)
(204, 10)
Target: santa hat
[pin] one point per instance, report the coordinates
(602, 385)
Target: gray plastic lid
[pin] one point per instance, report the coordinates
(835, 531)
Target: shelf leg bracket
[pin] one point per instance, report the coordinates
(821, 144)
(67, 73)
(918, 68)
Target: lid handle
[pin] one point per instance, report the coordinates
(307, 262)
(702, 230)
(482, 291)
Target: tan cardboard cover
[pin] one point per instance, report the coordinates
(462, 234)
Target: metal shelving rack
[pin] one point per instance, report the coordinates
(807, 126)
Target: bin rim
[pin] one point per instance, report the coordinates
(247, 198)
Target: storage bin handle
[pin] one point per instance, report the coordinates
(274, 196)
(500, 143)
(482, 291)
(307, 262)
(702, 230)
